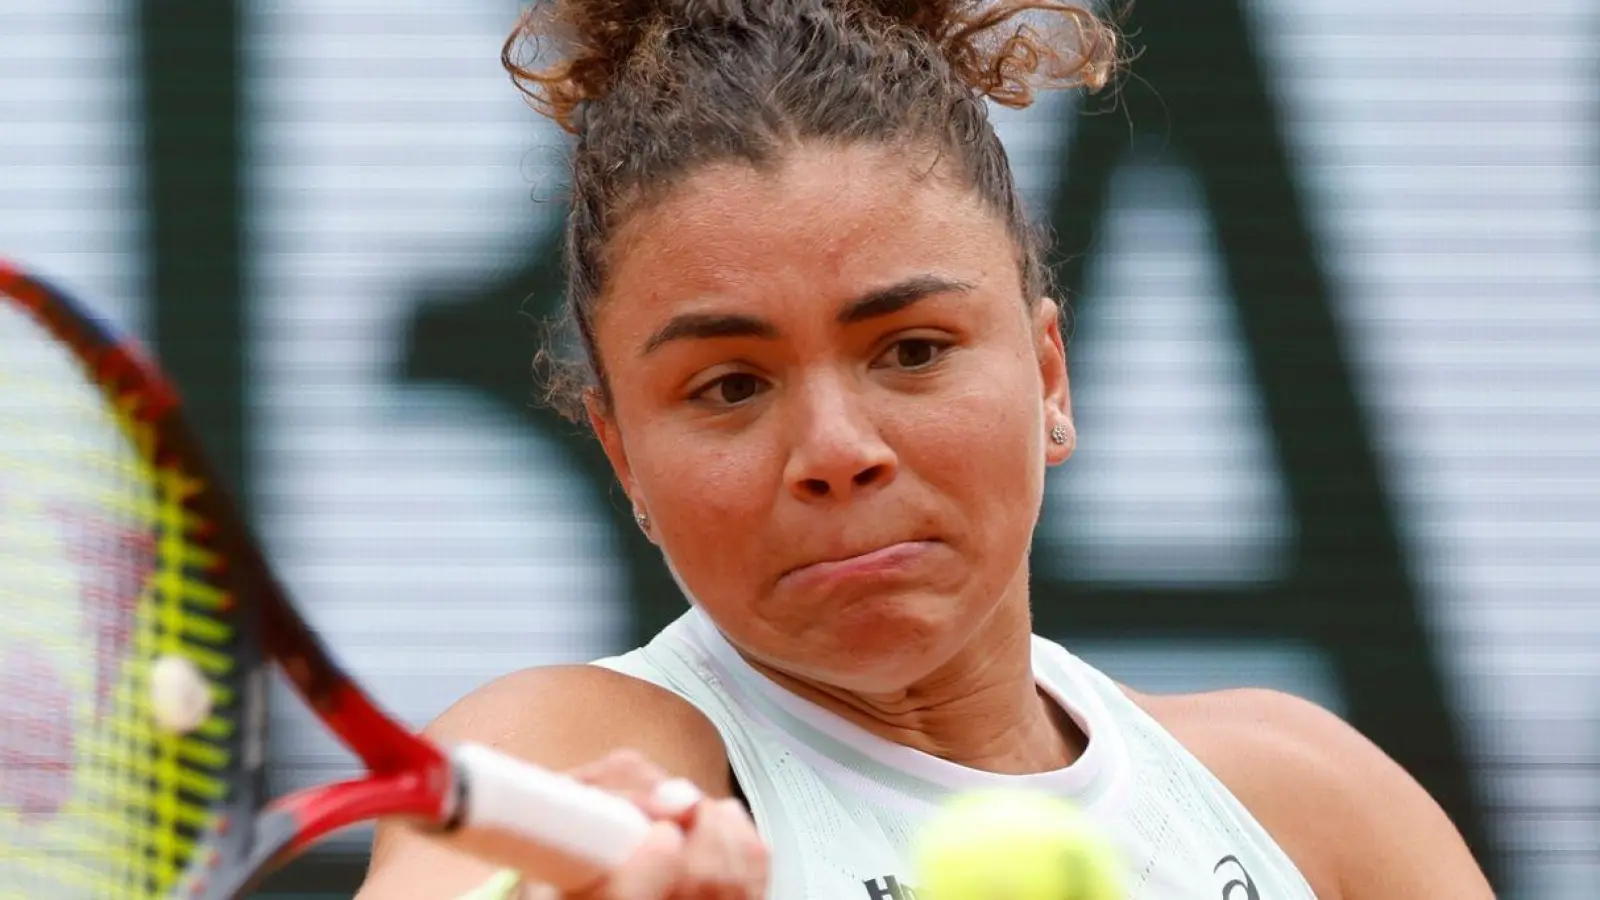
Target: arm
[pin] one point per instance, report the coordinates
(560, 718)
(1358, 825)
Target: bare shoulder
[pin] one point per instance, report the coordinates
(558, 717)
(564, 716)
(1269, 749)
(1353, 821)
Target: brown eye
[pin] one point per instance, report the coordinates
(731, 390)
(913, 353)
(737, 388)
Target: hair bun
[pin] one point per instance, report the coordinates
(1009, 49)
(565, 53)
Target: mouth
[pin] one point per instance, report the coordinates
(887, 561)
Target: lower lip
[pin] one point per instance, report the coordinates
(895, 559)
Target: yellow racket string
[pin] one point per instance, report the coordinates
(101, 574)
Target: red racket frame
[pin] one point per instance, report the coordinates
(406, 775)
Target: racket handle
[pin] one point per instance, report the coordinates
(546, 808)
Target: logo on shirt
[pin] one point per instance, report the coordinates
(889, 888)
(1239, 886)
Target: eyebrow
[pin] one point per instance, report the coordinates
(873, 305)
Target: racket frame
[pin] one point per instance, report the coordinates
(470, 787)
(407, 776)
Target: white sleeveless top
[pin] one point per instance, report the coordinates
(838, 805)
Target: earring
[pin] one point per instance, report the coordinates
(643, 518)
(1059, 434)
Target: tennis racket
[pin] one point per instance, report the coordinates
(138, 624)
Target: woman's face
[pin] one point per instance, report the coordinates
(832, 400)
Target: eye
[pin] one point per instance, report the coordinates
(731, 390)
(913, 353)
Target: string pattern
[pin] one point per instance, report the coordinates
(103, 571)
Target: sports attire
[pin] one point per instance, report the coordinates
(838, 806)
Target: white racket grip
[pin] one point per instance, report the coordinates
(546, 808)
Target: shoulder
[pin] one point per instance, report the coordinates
(1273, 752)
(565, 716)
(560, 718)
(1353, 821)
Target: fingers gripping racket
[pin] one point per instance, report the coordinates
(137, 622)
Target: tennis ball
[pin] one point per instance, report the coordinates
(1014, 845)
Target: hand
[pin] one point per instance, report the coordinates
(699, 849)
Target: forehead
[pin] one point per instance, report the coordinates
(824, 222)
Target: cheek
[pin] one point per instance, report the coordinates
(976, 431)
(981, 447)
(710, 497)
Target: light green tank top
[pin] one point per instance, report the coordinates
(838, 805)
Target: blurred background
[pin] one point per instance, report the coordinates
(1335, 266)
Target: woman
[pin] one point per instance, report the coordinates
(821, 355)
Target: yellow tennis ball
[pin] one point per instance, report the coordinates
(1014, 845)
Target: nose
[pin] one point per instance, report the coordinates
(837, 451)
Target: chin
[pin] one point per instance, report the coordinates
(883, 642)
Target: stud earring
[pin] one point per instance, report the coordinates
(643, 518)
(1059, 434)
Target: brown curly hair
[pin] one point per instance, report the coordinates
(656, 89)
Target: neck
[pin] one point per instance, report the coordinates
(982, 709)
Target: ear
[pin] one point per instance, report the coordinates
(1051, 350)
(610, 437)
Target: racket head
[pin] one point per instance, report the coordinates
(88, 422)
(117, 549)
